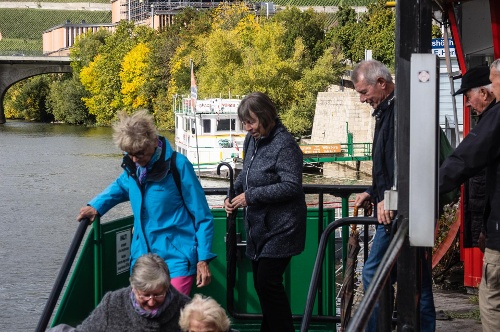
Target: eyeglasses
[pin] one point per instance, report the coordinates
(146, 298)
(138, 154)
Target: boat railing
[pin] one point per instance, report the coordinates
(343, 192)
(63, 274)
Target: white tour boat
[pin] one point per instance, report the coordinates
(208, 133)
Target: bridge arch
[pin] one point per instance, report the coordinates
(16, 68)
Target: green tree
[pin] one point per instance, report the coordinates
(30, 102)
(168, 67)
(299, 115)
(65, 102)
(86, 48)
(377, 33)
(307, 25)
(267, 55)
(345, 31)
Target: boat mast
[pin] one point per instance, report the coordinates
(194, 96)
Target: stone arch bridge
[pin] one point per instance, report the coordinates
(17, 68)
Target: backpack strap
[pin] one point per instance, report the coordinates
(177, 179)
(175, 173)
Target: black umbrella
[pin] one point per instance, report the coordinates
(347, 292)
(230, 234)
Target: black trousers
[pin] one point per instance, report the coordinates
(268, 282)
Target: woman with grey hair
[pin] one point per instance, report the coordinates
(148, 304)
(171, 213)
(269, 188)
(204, 314)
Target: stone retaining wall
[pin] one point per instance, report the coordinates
(337, 111)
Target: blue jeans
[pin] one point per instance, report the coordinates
(427, 310)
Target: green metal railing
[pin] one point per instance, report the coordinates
(350, 151)
(101, 267)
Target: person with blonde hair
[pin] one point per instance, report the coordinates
(171, 214)
(204, 314)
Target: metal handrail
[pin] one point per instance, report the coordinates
(63, 274)
(360, 318)
(313, 287)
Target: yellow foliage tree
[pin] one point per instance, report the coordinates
(133, 77)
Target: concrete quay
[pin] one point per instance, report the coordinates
(454, 310)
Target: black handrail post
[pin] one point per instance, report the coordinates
(320, 277)
(63, 274)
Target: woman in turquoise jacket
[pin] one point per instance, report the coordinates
(171, 217)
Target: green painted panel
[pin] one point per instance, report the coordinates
(78, 299)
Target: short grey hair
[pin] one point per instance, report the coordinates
(487, 87)
(496, 64)
(150, 272)
(206, 310)
(136, 132)
(370, 71)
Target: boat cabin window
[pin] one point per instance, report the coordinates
(206, 126)
(187, 124)
(223, 125)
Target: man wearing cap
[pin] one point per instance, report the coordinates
(480, 150)
(476, 87)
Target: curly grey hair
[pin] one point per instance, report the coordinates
(206, 310)
(136, 132)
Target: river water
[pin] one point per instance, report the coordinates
(48, 171)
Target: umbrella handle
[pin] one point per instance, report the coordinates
(231, 182)
(354, 214)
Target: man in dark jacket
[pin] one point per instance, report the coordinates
(373, 81)
(481, 149)
(476, 87)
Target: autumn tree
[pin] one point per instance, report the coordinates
(241, 54)
(101, 78)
